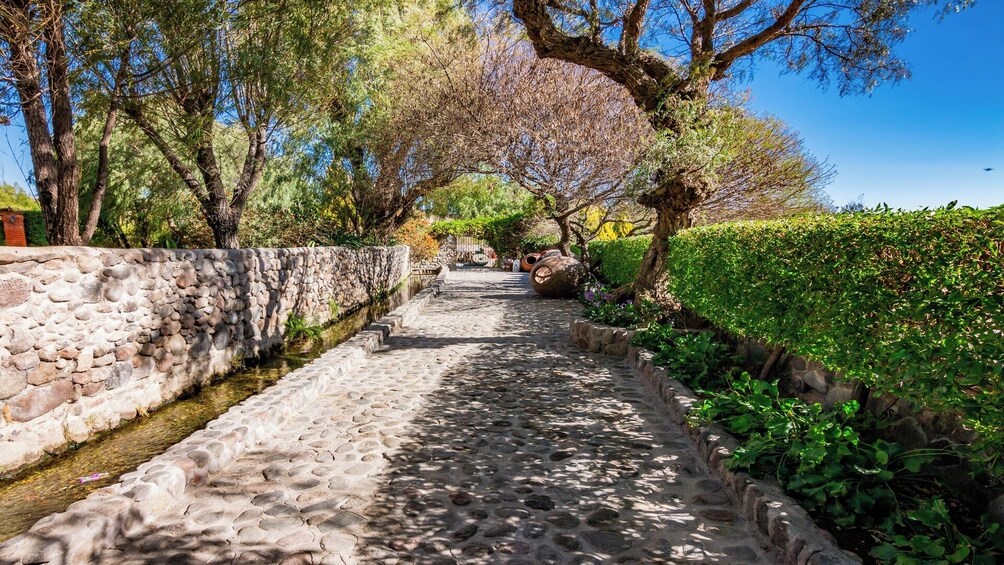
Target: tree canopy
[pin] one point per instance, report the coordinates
(674, 56)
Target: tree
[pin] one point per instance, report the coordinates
(148, 205)
(473, 196)
(853, 206)
(567, 135)
(13, 197)
(669, 54)
(621, 218)
(396, 139)
(768, 173)
(214, 64)
(35, 57)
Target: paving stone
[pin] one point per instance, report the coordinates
(533, 530)
(719, 515)
(338, 543)
(498, 530)
(602, 517)
(297, 538)
(341, 521)
(539, 502)
(610, 542)
(567, 542)
(477, 433)
(547, 555)
(466, 532)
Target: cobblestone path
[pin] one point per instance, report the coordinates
(479, 434)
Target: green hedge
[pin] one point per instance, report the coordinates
(34, 229)
(505, 234)
(908, 302)
(619, 259)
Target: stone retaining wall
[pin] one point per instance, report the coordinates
(79, 533)
(780, 523)
(914, 426)
(91, 337)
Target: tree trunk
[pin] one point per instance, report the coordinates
(674, 201)
(67, 228)
(653, 280)
(27, 76)
(223, 220)
(564, 243)
(53, 151)
(101, 182)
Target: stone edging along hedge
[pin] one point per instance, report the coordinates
(779, 522)
(86, 526)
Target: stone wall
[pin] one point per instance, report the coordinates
(913, 426)
(778, 521)
(91, 337)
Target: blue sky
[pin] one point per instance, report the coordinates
(923, 142)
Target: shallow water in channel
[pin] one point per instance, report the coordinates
(54, 485)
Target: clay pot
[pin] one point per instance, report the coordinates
(529, 261)
(557, 276)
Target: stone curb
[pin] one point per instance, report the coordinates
(780, 524)
(88, 525)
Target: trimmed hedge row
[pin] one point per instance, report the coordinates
(507, 235)
(619, 259)
(910, 303)
(34, 228)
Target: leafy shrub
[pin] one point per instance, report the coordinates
(822, 458)
(277, 226)
(910, 303)
(297, 329)
(654, 336)
(337, 237)
(697, 360)
(34, 228)
(505, 234)
(618, 260)
(600, 306)
(535, 243)
(415, 234)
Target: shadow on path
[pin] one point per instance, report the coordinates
(534, 452)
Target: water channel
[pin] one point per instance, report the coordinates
(55, 485)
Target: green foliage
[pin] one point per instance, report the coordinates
(375, 153)
(601, 306)
(619, 259)
(698, 360)
(14, 198)
(278, 226)
(345, 239)
(885, 297)
(536, 243)
(297, 329)
(34, 228)
(927, 533)
(824, 459)
(505, 234)
(474, 196)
